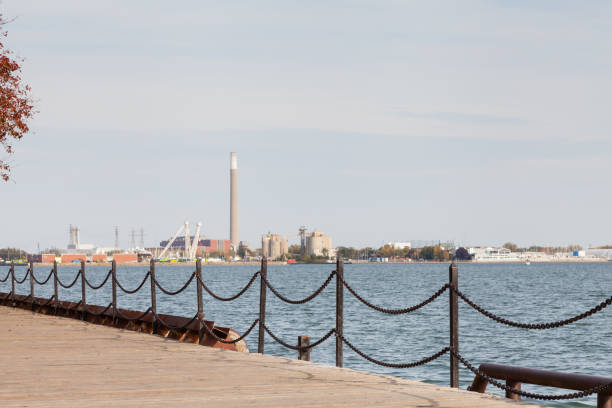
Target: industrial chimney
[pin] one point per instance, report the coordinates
(234, 201)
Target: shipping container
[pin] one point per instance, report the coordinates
(70, 258)
(98, 258)
(125, 257)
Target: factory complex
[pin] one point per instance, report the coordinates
(185, 246)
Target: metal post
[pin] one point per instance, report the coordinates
(13, 282)
(200, 302)
(153, 297)
(339, 309)
(55, 286)
(604, 400)
(83, 292)
(515, 385)
(32, 283)
(454, 324)
(304, 354)
(114, 282)
(262, 304)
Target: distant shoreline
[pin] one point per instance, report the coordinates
(276, 263)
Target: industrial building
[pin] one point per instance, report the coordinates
(75, 240)
(274, 246)
(319, 244)
(204, 245)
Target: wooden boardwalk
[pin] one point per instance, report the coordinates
(58, 362)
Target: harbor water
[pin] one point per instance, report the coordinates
(526, 293)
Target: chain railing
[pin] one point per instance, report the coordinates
(304, 346)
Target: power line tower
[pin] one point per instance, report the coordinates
(133, 239)
(142, 237)
(116, 236)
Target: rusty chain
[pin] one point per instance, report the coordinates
(129, 292)
(99, 313)
(298, 348)
(44, 281)
(72, 284)
(396, 311)
(171, 293)
(395, 365)
(143, 314)
(95, 287)
(48, 302)
(301, 301)
(6, 277)
(171, 327)
(219, 339)
(573, 395)
(24, 278)
(230, 298)
(75, 306)
(535, 326)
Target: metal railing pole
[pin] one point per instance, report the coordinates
(200, 301)
(454, 324)
(153, 296)
(304, 354)
(83, 292)
(262, 304)
(339, 309)
(13, 282)
(32, 284)
(55, 286)
(114, 285)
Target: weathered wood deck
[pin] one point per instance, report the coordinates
(57, 362)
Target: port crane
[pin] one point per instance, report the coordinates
(190, 247)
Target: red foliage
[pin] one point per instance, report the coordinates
(16, 105)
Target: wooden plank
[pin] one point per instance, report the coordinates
(56, 362)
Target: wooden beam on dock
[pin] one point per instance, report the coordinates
(50, 361)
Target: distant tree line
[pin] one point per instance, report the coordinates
(427, 253)
(535, 248)
(13, 254)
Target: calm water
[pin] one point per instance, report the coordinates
(535, 293)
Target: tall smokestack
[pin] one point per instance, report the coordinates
(234, 200)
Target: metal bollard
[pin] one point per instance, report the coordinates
(114, 285)
(153, 297)
(32, 284)
(83, 292)
(55, 286)
(262, 305)
(454, 324)
(200, 301)
(304, 354)
(13, 282)
(339, 309)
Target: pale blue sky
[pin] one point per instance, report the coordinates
(477, 121)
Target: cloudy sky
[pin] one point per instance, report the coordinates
(479, 121)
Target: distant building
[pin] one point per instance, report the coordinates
(319, 244)
(400, 245)
(75, 240)
(274, 246)
(205, 245)
(484, 254)
(597, 253)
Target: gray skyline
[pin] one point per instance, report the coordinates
(483, 122)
